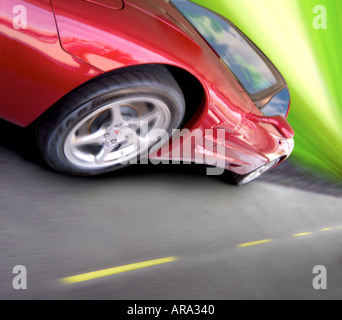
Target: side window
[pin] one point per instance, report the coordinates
(255, 73)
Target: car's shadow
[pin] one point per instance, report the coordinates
(22, 142)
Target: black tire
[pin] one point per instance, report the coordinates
(136, 83)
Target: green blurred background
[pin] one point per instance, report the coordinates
(310, 60)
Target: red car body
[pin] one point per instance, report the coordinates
(67, 43)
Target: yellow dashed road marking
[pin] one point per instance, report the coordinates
(145, 264)
(111, 271)
(249, 244)
(302, 234)
(326, 229)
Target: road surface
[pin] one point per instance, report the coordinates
(259, 241)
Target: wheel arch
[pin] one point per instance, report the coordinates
(192, 88)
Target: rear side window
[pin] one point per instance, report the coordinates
(255, 73)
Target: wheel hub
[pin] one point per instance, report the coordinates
(115, 135)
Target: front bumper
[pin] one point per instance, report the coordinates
(259, 141)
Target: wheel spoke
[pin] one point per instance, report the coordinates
(158, 124)
(147, 117)
(105, 151)
(94, 138)
(116, 115)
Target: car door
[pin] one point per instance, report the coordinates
(35, 71)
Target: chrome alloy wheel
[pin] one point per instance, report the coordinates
(118, 132)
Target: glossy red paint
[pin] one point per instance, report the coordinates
(71, 42)
(110, 4)
(35, 71)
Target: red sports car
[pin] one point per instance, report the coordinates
(108, 83)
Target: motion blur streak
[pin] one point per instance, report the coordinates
(309, 59)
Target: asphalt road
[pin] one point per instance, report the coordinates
(59, 226)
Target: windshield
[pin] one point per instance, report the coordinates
(251, 68)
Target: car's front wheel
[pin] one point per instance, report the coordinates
(112, 121)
